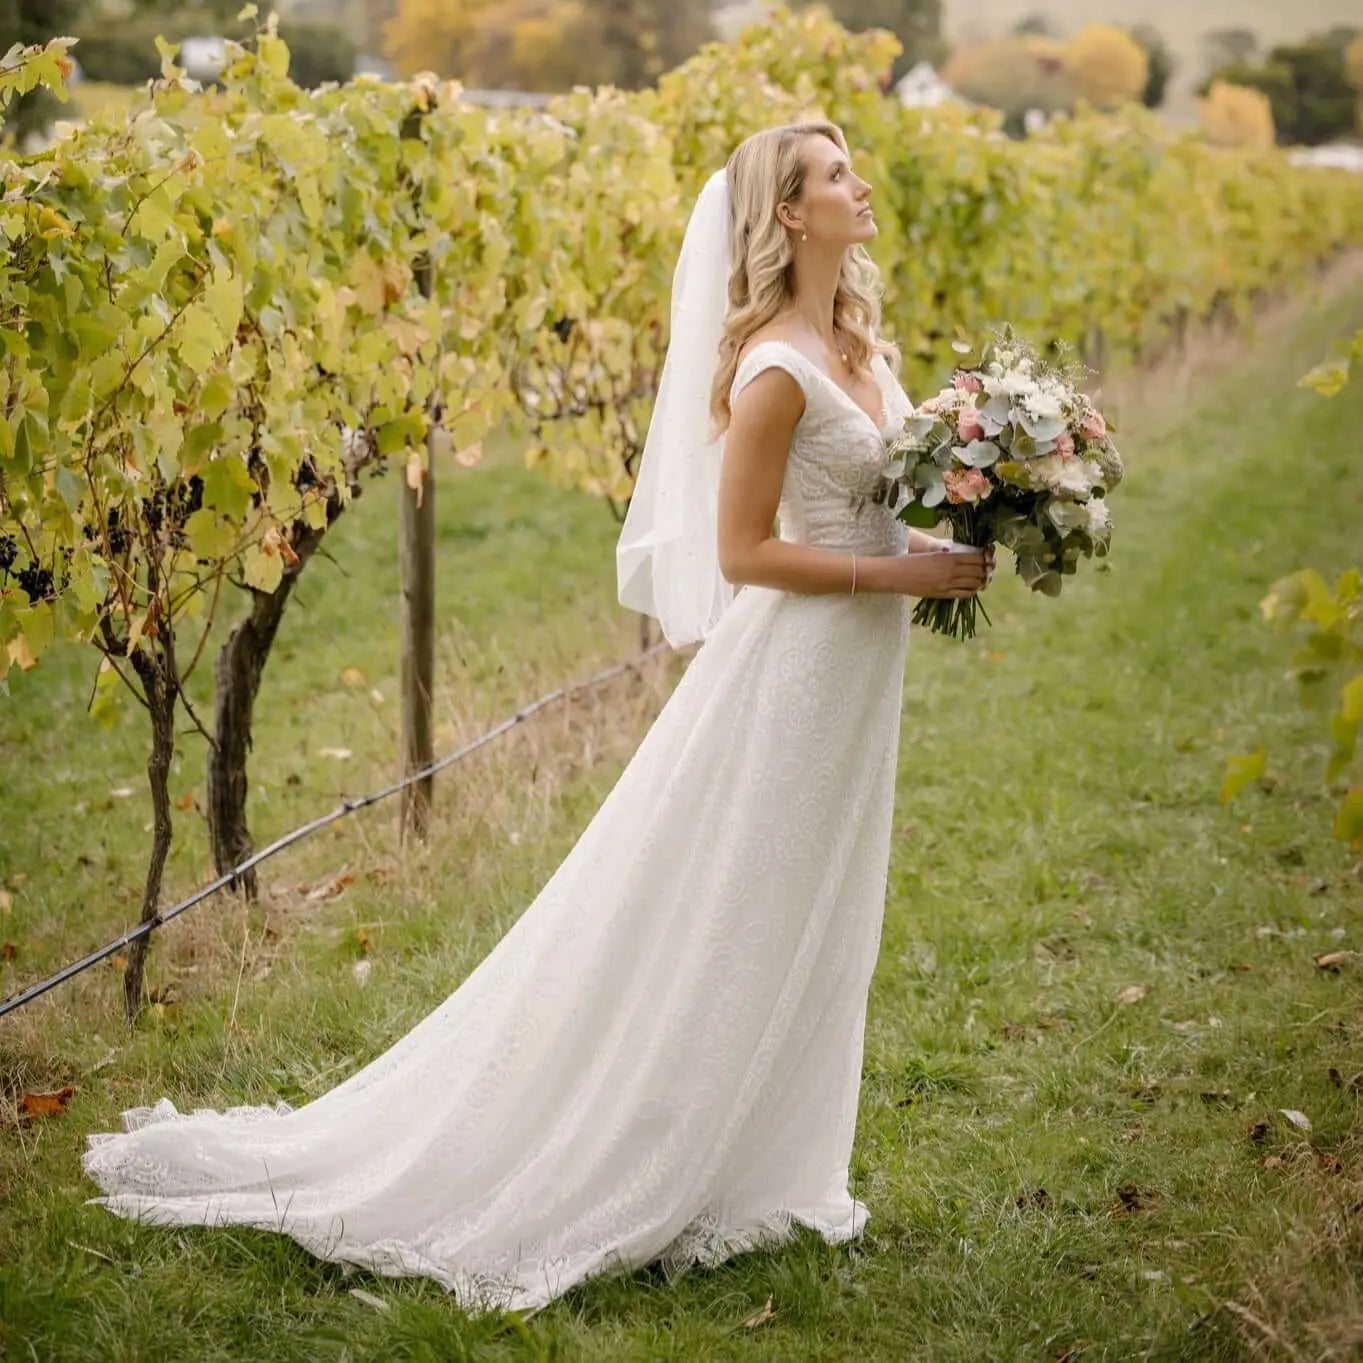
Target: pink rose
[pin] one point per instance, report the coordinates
(1064, 445)
(966, 485)
(969, 426)
(1093, 425)
(967, 383)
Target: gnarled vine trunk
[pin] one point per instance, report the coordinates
(237, 672)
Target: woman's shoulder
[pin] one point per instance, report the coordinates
(779, 337)
(776, 347)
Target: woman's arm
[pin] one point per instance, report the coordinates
(756, 448)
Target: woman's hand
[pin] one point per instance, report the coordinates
(937, 573)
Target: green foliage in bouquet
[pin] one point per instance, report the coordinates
(1012, 452)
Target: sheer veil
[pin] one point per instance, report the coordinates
(667, 558)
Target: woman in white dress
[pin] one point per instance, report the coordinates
(660, 1061)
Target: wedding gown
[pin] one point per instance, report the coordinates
(660, 1061)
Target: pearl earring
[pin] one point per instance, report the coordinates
(804, 236)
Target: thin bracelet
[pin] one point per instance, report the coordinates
(854, 574)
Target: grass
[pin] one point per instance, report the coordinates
(1051, 1172)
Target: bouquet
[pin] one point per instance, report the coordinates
(1011, 453)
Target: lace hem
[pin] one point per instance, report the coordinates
(527, 1285)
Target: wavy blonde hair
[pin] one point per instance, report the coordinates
(765, 171)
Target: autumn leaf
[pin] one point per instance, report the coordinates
(45, 1104)
(1240, 771)
(758, 1317)
(352, 676)
(1134, 993)
(416, 474)
(1332, 960)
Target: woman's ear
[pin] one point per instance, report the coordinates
(787, 218)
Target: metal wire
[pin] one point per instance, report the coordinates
(288, 839)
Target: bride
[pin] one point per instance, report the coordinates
(660, 1061)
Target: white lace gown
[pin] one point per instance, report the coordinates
(661, 1059)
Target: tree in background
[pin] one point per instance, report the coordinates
(1307, 85)
(632, 42)
(1161, 64)
(1107, 65)
(118, 42)
(1236, 116)
(1229, 47)
(1014, 75)
(916, 23)
(547, 44)
(30, 22)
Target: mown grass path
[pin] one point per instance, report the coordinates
(1048, 1168)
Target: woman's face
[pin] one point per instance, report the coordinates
(832, 206)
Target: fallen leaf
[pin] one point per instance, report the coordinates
(470, 456)
(362, 939)
(1131, 1198)
(45, 1104)
(1241, 967)
(121, 792)
(760, 1317)
(369, 1299)
(186, 801)
(362, 970)
(1332, 960)
(340, 754)
(1298, 1119)
(352, 676)
(119, 963)
(6, 901)
(1072, 1351)
(1154, 1275)
(1038, 1197)
(1270, 1161)
(332, 888)
(18, 880)
(8, 951)
(1134, 993)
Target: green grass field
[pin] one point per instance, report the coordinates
(1052, 1172)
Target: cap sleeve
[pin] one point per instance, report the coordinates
(771, 355)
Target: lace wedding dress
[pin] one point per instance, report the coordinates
(660, 1061)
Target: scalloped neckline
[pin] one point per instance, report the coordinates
(837, 387)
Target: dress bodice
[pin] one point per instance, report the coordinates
(836, 455)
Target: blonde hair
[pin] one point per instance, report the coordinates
(766, 170)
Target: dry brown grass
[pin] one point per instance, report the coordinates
(1304, 1303)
